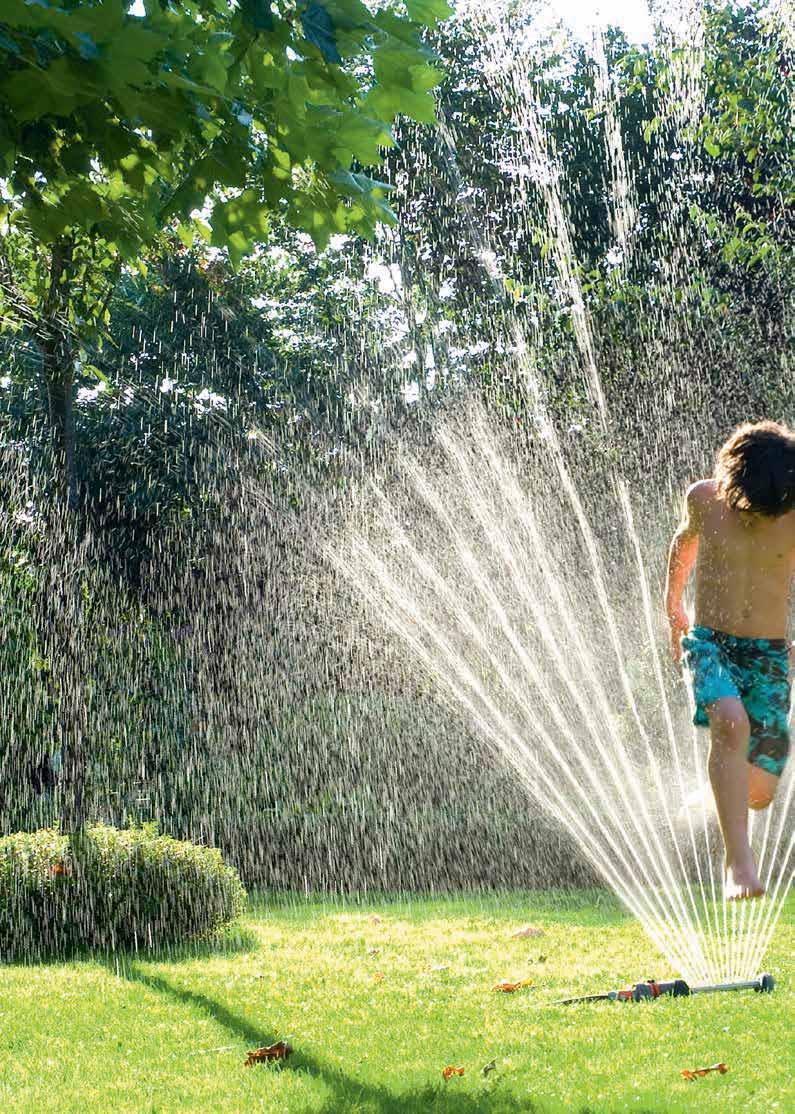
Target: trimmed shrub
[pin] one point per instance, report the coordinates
(110, 889)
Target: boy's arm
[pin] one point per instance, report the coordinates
(681, 559)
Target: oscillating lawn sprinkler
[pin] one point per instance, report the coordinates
(676, 988)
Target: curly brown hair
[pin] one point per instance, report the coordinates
(755, 469)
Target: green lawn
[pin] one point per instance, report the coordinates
(377, 999)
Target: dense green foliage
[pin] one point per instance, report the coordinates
(110, 889)
(225, 382)
(118, 126)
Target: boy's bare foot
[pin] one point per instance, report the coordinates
(742, 881)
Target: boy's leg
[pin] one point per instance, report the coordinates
(728, 773)
(762, 786)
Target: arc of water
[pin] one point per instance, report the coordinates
(768, 912)
(776, 902)
(647, 611)
(757, 912)
(686, 926)
(481, 579)
(395, 598)
(623, 207)
(641, 819)
(531, 134)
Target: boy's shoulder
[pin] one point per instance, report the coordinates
(702, 492)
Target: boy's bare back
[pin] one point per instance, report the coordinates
(744, 567)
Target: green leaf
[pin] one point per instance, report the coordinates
(319, 30)
(86, 46)
(712, 147)
(360, 137)
(389, 103)
(651, 128)
(239, 224)
(187, 234)
(9, 45)
(357, 185)
(257, 15)
(428, 12)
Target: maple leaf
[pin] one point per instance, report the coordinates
(279, 1051)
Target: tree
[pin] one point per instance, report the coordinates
(198, 114)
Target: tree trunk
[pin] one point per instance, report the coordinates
(59, 381)
(63, 606)
(58, 373)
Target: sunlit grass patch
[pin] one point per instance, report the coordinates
(377, 998)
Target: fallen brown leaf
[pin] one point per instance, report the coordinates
(692, 1074)
(279, 1051)
(373, 951)
(375, 919)
(450, 1070)
(527, 931)
(509, 987)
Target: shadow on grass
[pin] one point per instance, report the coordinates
(346, 1091)
(235, 940)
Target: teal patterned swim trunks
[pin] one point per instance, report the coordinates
(754, 670)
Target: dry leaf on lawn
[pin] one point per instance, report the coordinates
(450, 1070)
(279, 1051)
(691, 1074)
(509, 987)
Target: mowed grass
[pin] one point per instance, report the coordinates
(376, 999)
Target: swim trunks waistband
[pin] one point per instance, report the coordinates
(737, 639)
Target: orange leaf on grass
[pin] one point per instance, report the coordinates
(509, 987)
(691, 1074)
(450, 1070)
(279, 1051)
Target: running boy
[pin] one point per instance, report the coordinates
(739, 531)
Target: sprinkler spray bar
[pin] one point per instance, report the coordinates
(676, 988)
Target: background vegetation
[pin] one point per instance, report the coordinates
(201, 357)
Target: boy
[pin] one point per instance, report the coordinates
(739, 531)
